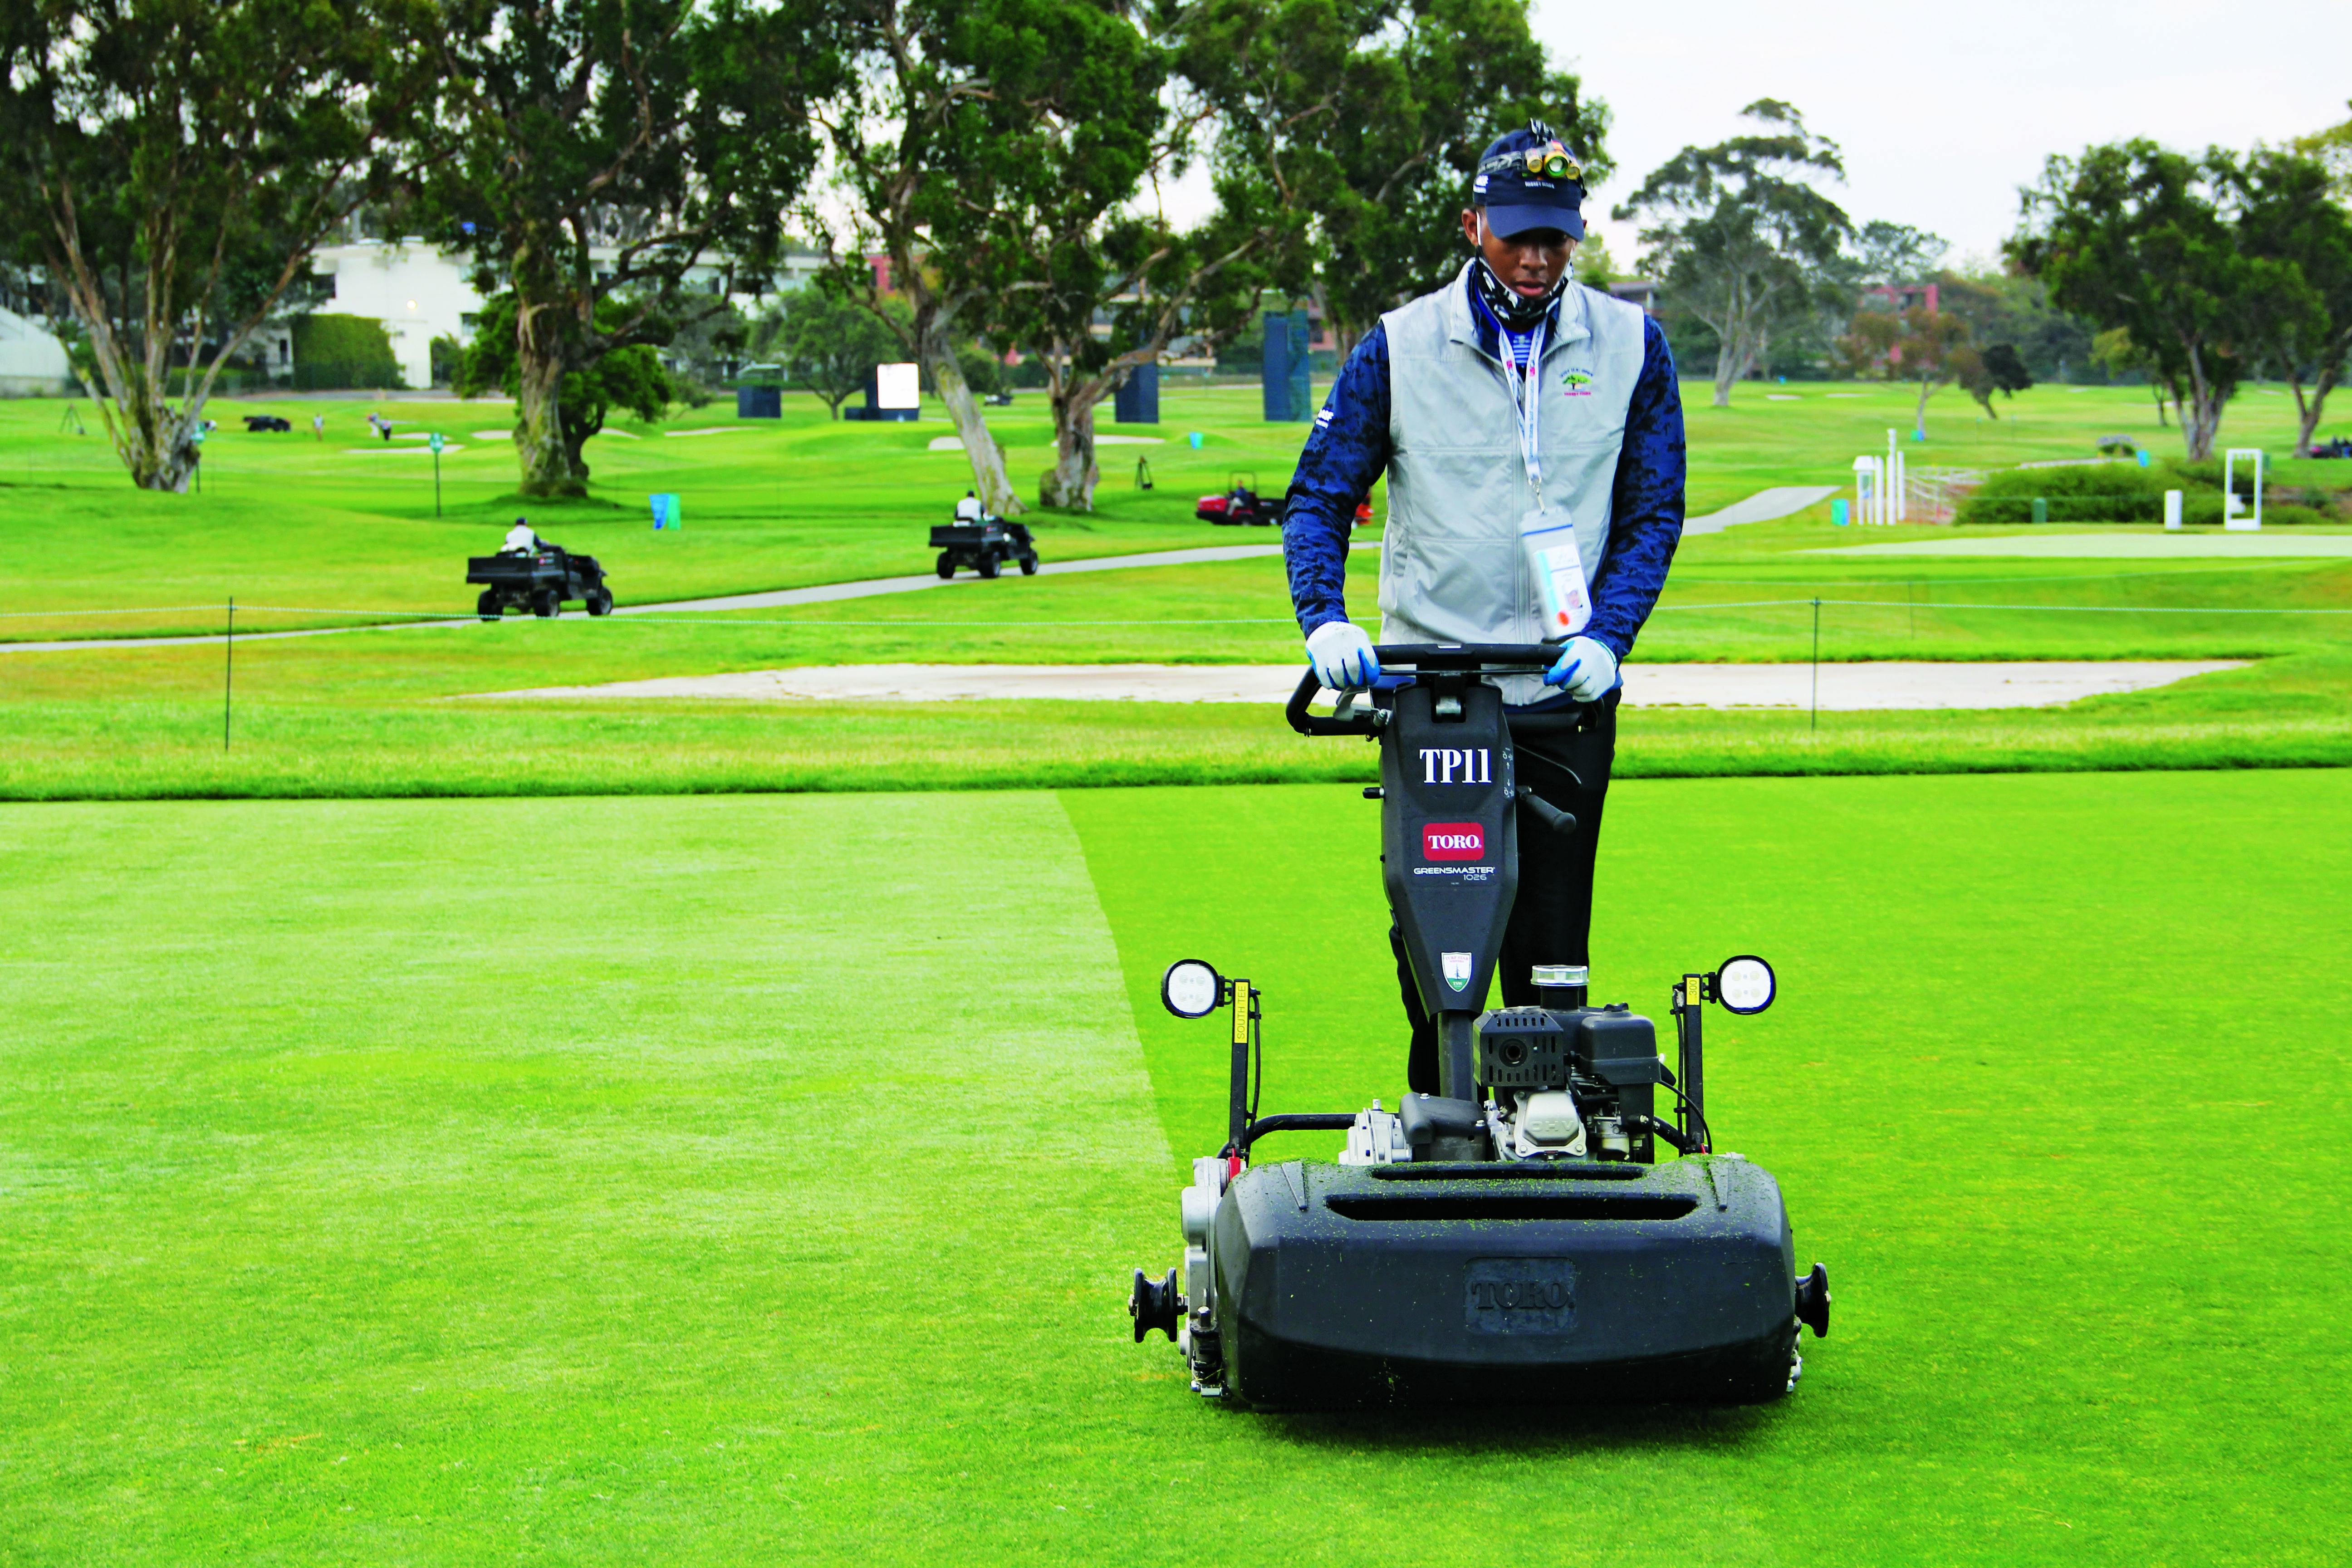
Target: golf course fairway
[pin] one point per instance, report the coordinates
(755, 1178)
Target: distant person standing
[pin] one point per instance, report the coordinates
(379, 425)
(318, 426)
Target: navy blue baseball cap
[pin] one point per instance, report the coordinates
(1527, 180)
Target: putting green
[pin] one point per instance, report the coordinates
(755, 1177)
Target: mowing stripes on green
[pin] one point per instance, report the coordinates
(2056, 1087)
(598, 1180)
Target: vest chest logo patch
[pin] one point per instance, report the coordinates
(1577, 382)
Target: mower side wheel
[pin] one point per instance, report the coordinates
(1028, 566)
(1813, 1301)
(600, 603)
(488, 605)
(947, 564)
(990, 564)
(1155, 1304)
(545, 605)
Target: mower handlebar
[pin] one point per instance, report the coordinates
(1465, 658)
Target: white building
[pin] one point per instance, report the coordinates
(32, 361)
(420, 293)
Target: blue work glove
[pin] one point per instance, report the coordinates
(1586, 669)
(1342, 656)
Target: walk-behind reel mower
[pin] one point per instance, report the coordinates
(1513, 1238)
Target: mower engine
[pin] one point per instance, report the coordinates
(1578, 1082)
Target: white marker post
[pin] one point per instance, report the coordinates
(2229, 519)
(1865, 489)
(1895, 508)
(2172, 509)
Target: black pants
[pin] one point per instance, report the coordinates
(1551, 922)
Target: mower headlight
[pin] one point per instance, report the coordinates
(1190, 989)
(1744, 984)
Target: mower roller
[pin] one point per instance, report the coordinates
(1513, 1238)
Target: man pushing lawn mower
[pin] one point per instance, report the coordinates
(1532, 435)
(1509, 1234)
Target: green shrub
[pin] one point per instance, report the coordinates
(333, 351)
(2089, 492)
(2124, 492)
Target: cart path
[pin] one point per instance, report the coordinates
(834, 592)
(1764, 506)
(1843, 686)
(2121, 545)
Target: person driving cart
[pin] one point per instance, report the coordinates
(969, 509)
(522, 540)
(1531, 432)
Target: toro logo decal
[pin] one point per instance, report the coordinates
(1520, 1296)
(1452, 841)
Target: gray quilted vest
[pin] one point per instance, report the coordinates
(1450, 564)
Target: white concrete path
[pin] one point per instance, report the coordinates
(2267, 545)
(1848, 687)
(1764, 506)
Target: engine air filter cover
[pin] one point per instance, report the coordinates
(1522, 1047)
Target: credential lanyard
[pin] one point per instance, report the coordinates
(1527, 400)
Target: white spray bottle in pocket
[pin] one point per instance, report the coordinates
(1548, 540)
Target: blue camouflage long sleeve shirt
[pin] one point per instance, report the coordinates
(1349, 449)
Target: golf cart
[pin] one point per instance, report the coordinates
(540, 581)
(984, 546)
(1514, 1238)
(1240, 504)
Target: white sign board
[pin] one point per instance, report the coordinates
(2232, 507)
(898, 386)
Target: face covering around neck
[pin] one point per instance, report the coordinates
(1513, 310)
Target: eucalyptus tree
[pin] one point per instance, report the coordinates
(169, 166)
(1097, 284)
(1428, 87)
(2285, 211)
(1739, 239)
(621, 167)
(920, 179)
(2132, 236)
(996, 154)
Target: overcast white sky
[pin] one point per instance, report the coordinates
(1943, 111)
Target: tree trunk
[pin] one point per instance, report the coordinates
(1919, 415)
(155, 442)
(2307, 414)
(1727, 356)
(547, 470)
(988, 479)
(2200, 415)
(2157, 388)
(1069, 484)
